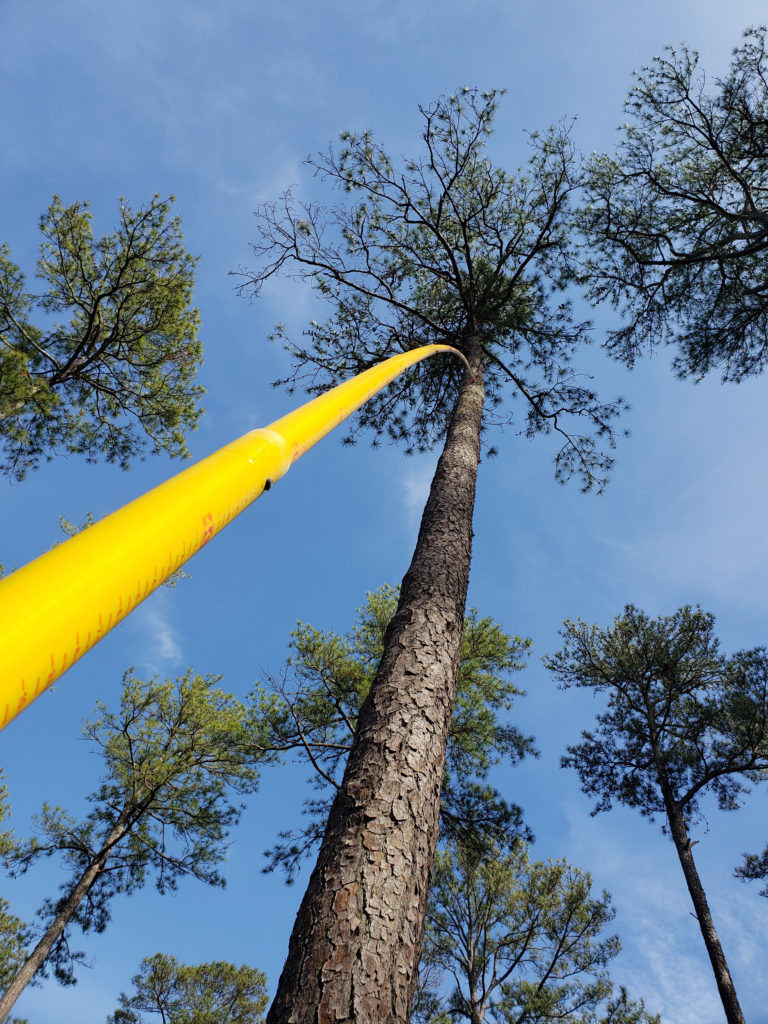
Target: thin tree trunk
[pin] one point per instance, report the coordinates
(723, 978)
(354, 951)
(40, 953)
(681, 839)
(476, 1004)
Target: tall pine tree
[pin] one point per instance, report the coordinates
(681, 720)
(446, 247)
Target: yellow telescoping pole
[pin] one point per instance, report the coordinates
(57, 607)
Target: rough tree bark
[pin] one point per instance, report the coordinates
(355, 946)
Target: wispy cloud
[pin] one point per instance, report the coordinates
(267, 185)
(668, 968)
(663, 958)
(416, 481)
(159, 646)
(705, 535)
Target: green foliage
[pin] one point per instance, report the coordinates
(680, 718)
(15, 936)
(172, 756)
(445, 248)
(754, 866)
(523, 941)
(109, 368)
(311, 711)
(676, 220)
(14, 933)
(682, 721)
(7, 841)
(70, 529)
(623, 1010)
(215, 993)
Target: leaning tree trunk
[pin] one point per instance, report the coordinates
(67, 910)
(356, 942)
(723, 978)
(679, 832)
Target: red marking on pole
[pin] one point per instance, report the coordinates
(207, 528)
(52, 673)
(76, 651)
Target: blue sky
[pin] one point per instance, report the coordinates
(220, 105)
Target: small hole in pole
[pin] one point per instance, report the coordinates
(267, 484)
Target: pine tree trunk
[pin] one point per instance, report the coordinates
(476, 1005)
(723, 978)
(356, 942)
(40, 953)
(681, 839)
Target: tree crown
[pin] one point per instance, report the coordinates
(446, 247)
(109, 369)
(173, 755)
(677, 220)
(214, 993)
(680, 716)
(523, 941)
